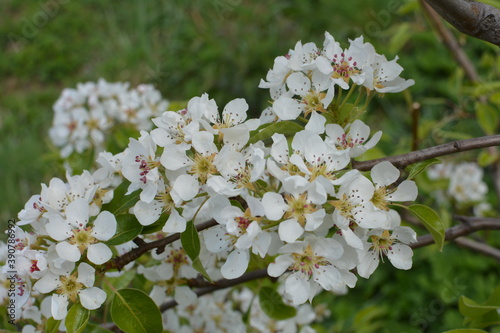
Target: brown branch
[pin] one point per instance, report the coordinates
(473, 18)
(222, 284)
(451, 42)
(479, 247)
(469, 225)
(404, 160)
(124, 259)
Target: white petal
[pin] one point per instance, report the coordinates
(99, 253)
(147, 213)
(368, 263)
(287, 108)
(203, 142)
(297, 289)
(86, 274)
(68, 251)
(175, 222)
(186, 186)
(298, 83)
(58, 230)
(236, 264)
(92, 298)
(77, 212)
(316, 123)
(216, 239)
(290, 230)
(47, 283)
(279, 266)
(104, 226)
(274, 205)
(235, 112)
(174, 157)
(314, 220)
(400, 256)
(384, 173)
(59, 306)
(406, 191)
(184, 296)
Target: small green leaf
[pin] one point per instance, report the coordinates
(191, 244)
(431, 221)
(157, 226)
(52, 325)
(77, 318)
(121, 202)
(127, 228)
(282, 127)
(273, 306)
(419, 167)
(134, 311)
(191, 241)
(488, 118)
(119, 282)
(487, 158)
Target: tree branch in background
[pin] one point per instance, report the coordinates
(478, 247)
(404, 160)
(469, 225)
(451, 42)
(473, 18)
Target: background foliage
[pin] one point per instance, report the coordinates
(224, 47)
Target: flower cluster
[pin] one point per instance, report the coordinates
(291, 204)
(463, 183)
(83, 116)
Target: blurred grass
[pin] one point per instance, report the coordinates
(224, 48)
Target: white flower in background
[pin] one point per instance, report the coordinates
(466, 183)
(75, 235)
(312, 263)
(71, 287)
(440, 171)
(352, 139)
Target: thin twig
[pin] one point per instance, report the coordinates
(479, 247)
(124, 259)
(404, 160)
(469, 225)
(451, 42)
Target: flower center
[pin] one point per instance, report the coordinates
(312, 100)
(145, 165)
(306, 262)
(203, 167)
(381, 244)
(82, 238)
(346, 141)
(379, 199)
(69, 287)
(177, 257)
(342, 69)
(298, 208)
(345, 206)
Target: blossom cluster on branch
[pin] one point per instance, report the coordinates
(281, 189)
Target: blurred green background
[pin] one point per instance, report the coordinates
(224, 47)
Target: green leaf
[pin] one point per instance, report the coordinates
(273, 306)
(121, 202)
(283, 127)
(134, 311)
(191, 241)
(127, 228)
(119, 282)
(77, 318)
(191, 244)
(431, 221)
(157, 226)
(93, 328)
(487, 158)
(488, 118)
(52, 325)
(419, 167)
